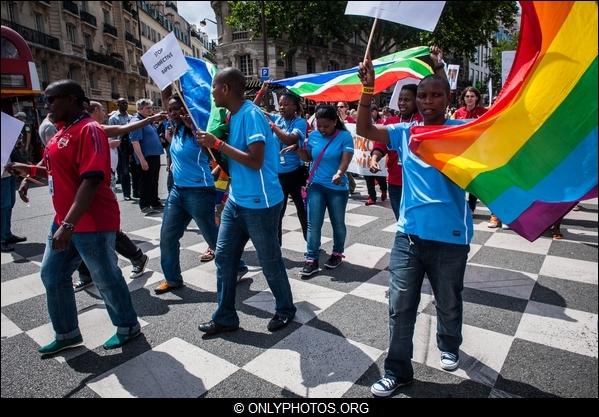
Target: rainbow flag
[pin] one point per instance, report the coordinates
(345, 85)
(533, 155)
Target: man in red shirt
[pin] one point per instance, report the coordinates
(77, 162)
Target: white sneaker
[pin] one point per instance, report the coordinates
(449, 361)
(505, 226)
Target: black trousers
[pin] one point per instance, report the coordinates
(148, 183)
(124, 247)
(370, 179)
(292, 184)
(472, 201)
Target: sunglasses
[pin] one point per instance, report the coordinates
(341, 107)
(50, 99)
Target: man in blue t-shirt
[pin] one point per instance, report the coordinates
(253, 208)
(433, 236)
(147, 149)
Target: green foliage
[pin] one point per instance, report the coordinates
(462, 27)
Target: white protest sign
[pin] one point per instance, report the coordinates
(452, 75)
(361, 159)
(507, 59)
(165, 61)
(490, 91)
(11, 129)
(275, 100)
(418, 14)
(395, 96)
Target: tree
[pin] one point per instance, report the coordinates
(463, 25)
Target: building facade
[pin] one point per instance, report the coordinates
(99, 44)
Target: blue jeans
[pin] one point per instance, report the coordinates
(97, 251)
(182, 205)
(9, 189)
(395, 199)
(444, 264)
(335, 201)
(238, 224)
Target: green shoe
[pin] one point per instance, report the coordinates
(58, 345)
(119, 340)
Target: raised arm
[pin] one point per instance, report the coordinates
(364, 125)
(118, 130)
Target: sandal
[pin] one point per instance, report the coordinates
(557, 236)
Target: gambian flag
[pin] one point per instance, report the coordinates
(533, 155)
(345, 85)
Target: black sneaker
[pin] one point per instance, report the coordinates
(334, 261)
(277, 323)
(158, 206)
(139, 267)
(7, 247)
(15, 239)
(148, 211)
(310, 268)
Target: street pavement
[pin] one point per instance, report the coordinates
(530, 318)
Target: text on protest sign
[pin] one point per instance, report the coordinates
(165, 61)
(361, 159)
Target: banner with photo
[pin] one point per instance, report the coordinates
(361, 159)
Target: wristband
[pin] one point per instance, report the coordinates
(33, 171)
(67, 226)
(367, 90)
(218, 145)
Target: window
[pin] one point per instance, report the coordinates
(245, 65)
(109, 48)
(39, 22)
(289, 62)
(12, 12)
(93, 83)
(71, 33)
(114, 87)
(127, 25)
(106, 16)
(144, 29)
(310, 66)
(87, 41)
(84, 6)
(44, 71)
(153, 35)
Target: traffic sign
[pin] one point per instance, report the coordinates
(264, 73)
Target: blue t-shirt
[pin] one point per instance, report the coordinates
(289, 161)
(329, 164)
(147, 137)
(250, 188)
(190, 161)
(432, 207)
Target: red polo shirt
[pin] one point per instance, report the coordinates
(463, 113)
(74, 153)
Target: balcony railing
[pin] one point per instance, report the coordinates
(128, 6)
(108, 28)
(241, 35)
(129, 37)
(111, 60)
(70, 6)
(45, 3)
(89, 18)
(172, 5)
(34, 36)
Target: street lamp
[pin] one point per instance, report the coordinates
(203, 22)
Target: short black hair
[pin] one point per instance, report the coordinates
(327, 111)
(410, 87)
(295, 99)
(442, 80)
(234, 79)
(69, 88)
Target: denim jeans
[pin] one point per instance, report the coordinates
(444, 264)
(97, 250)
(9, 189)
(395, 199)
(335, 201)
(182, 205)
(238, 224)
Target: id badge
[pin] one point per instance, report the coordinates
(282, 159)
(50, 185)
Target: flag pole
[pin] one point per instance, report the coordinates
(370, 38)
(174, 84)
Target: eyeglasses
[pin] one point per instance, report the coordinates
(341, 107)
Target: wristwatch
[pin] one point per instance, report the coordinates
(67, 226)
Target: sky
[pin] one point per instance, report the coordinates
(194, 11)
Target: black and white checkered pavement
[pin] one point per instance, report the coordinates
(530, 318)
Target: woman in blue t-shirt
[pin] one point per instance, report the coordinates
(289, 128)
(330, 148)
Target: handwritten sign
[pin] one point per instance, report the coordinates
(361, 159)
(165, 61)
